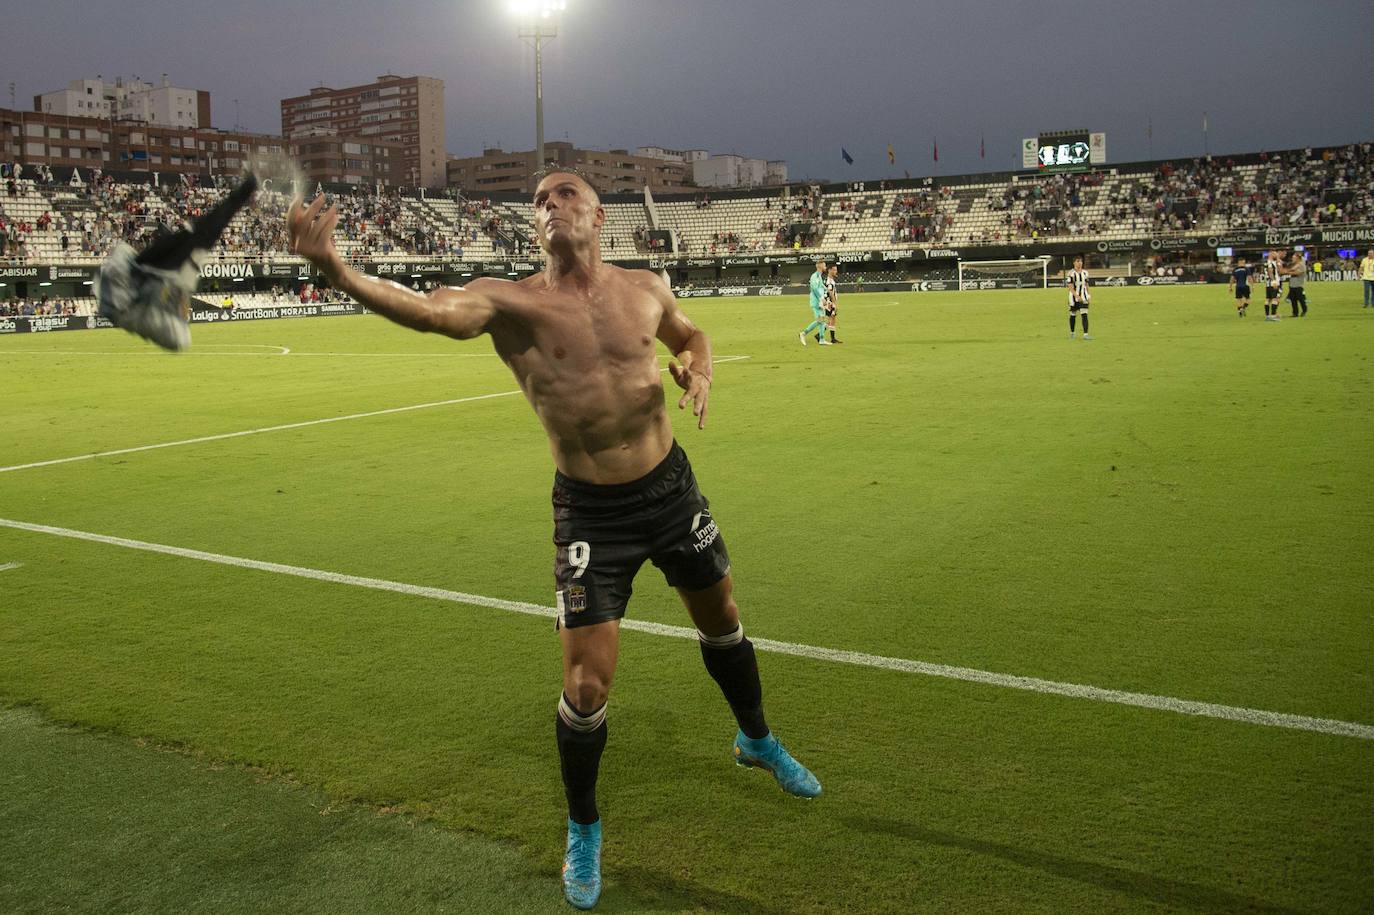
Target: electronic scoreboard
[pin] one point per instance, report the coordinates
(1064, 151)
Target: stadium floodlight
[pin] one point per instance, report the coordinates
(535, 9)
(538, 26)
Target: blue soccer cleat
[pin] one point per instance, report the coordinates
(768, 754)
(582, 865)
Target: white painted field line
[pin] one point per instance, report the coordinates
(300, 425)
(283, 351)
(224, 435)
(860, 659)
(10, 565)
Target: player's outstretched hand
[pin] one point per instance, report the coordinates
(696, 387)
(312, 232)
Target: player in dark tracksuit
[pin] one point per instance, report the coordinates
(1240, 284)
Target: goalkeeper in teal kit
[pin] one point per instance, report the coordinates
(817, 306)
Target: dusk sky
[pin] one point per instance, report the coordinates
(779, 80)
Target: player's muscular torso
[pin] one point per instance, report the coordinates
(587, 361)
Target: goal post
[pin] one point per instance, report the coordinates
(1026, 273)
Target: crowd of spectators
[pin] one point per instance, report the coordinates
(1302, 187)
(652, 244)
(41, 307)
(806, 204)
(14, 236)
(1298, 188)
(1045, 206)
(922, 216)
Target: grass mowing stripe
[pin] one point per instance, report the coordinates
(310, 422)
(95, 823)
(988, 678)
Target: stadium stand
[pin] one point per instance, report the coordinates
(486, 229)
(278, 299)
(45, 305)
(43, 221)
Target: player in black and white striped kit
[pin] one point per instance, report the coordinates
(1077, 281)
(1272, 271)
(830, 303)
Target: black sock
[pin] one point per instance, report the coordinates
(1072, 321)
(1085, 323)
(581, 738)
(731, 663)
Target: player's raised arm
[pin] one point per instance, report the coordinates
(459, 313)
(688, 343)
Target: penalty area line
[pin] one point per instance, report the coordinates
(854, 658)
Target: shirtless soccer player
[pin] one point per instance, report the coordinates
(579, 338)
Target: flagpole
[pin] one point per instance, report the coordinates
(1150, 134)
(1205, 151)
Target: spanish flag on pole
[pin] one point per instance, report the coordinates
(891, 156)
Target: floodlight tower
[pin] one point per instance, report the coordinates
(538, 26)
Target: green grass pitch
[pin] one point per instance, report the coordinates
(1181, 507)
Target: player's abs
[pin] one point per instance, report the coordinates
(606, 426)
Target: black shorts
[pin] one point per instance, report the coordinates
(1271, 292)
(829, 310)
(603, 534)
(1242, 292)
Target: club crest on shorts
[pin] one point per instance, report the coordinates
(576, 598)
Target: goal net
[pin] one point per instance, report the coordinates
(1018, 274)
